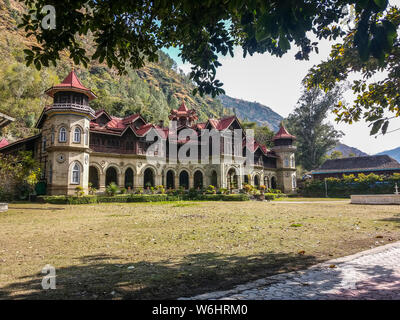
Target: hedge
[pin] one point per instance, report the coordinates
(274, 196)
(139, 198)
(350, 184)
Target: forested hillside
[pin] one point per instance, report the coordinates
(152, 90)
(252, 111)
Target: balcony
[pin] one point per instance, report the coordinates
(72, 106)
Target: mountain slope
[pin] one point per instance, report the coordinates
(252, 111)
(347, 150)
(394, 153)
(153, 90)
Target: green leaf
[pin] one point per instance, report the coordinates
(385, 127)
(376, 126)
(382, 4)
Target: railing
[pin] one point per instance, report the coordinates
(77, 106)
(106, 149)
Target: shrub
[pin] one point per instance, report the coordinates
(79, 191)
(81, 200)
(210, 189)
(92, 190)
(112, 189)
(247, 188)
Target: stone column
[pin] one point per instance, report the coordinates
(102, 182)
(121, 180)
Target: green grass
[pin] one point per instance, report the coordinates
(174, 249)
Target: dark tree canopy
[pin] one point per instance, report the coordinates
(131, 32)
(315, 137)
(377, 88)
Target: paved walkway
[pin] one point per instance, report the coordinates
(372, 274)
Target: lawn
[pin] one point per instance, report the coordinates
(170, 250)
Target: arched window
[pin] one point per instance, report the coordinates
(76, 174)
(294, 181)
(77, 135)
(63, 135)
(292, 161)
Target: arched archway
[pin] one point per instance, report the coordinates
(232, 179)
(128, 178)
(184, 179)
(246, 179)
(256, 181)
(170, 179)
(111, 176)
(273, 183)
(94, 177)
(148, 178)
(198, 180)
(214, 179)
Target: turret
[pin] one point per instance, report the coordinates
(183, 115)
(284, 148)
(65, 128)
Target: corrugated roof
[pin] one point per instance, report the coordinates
(368, 163)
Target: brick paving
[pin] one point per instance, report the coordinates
(369, 275)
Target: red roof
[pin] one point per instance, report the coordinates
(222, 124)
(71, 82)
(183, 107)
(3, 143)
(283, 134)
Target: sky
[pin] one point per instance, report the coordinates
(276, 82)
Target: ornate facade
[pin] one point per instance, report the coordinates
(77, 146)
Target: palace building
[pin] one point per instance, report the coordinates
(77, 146)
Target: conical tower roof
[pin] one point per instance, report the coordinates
(71, 83)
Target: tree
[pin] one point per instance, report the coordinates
(336, 154)
(377, 101)
(264, 136)
(18, 175)
(315, 137)
(129, 32)
(351, 154)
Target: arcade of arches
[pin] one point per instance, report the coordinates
(126, 177)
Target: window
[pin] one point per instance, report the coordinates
(52, 136)
(76, 173)
(77, 135)
(292, 162)
(286, 162)
(294, 181)
(44, 144)
(63, 135)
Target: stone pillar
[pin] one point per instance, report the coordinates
(176, 181)
(139, 181)
(158, 179)
(191, 180)
(102, 182)
(121, 180)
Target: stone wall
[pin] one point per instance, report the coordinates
(376, 199)
(3, 207)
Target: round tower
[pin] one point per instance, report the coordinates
(286, 164)
(65, 126)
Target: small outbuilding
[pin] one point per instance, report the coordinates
(336, 168)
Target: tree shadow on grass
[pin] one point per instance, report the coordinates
(395, 219)
(101, 277)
